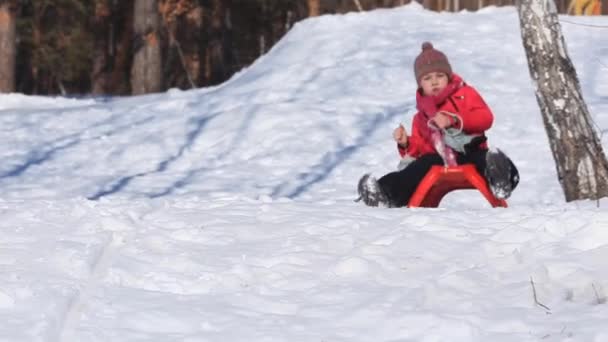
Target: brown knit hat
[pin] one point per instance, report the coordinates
(430, 60)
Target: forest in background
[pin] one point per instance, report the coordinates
(124, 47)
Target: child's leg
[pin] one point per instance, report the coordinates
(400, 186)
(475, 157)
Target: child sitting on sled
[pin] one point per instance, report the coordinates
(449, 128)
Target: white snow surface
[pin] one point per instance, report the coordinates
(227, 213)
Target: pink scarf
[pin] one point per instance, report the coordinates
(427, 108)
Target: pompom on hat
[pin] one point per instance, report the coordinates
(431, 60)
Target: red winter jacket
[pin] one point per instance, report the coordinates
(474, 115)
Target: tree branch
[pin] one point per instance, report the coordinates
(535, 298)
(600, 300)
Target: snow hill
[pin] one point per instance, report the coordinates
(226, 213)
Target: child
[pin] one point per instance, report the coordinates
(449, 128)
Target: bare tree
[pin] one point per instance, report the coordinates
(7, 45)
(581, 165)
(146, 68)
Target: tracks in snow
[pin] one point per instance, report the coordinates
(78, 302)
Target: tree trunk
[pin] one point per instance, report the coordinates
(193, 51)
(604, 7)
(8, 48)
(219, 42)
(314, 8)
(102, 52)
(581, 165)
(184, 23)
(358, 4)
(121, 45)
(146, 68)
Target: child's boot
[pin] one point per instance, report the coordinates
(370, 192)
(501, 174)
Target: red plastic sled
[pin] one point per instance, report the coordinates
(440, 180)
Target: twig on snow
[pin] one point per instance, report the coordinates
(535, 298)
(600, 300)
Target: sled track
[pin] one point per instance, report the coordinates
(99, 270)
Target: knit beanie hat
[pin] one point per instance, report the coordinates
(430, 60)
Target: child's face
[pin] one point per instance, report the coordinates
(433, 83)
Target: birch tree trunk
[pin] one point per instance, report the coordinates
(8, 48)
(146, 68)
(581, 165)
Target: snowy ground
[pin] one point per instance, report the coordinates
(226, 214)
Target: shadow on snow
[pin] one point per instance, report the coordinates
(329, 161)
(121, 183)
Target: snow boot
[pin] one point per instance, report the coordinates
(370, 192)
(501, 174)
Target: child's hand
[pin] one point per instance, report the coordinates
(442, 120)
(400, 135)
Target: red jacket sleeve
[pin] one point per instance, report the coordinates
(476, 116)
(414, 142)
